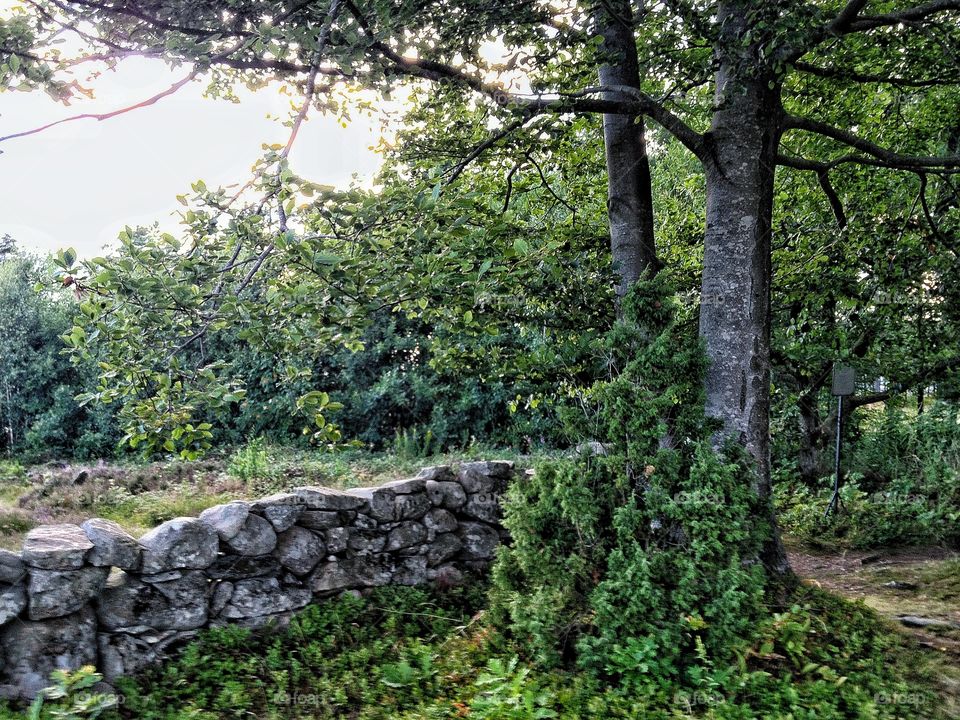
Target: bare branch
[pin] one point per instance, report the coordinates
(884, 156)
(491, 140)
(858, 77)
(107, 115)
(823, 178)
(546, 184)
(915, 14)
(509, 193)
(822, 171)
(934, 228)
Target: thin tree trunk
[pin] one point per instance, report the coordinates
(810, 458)
(735, 312)
(629, 195)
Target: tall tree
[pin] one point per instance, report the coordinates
(629, 195)
(729, 79)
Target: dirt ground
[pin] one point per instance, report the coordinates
(917, 589)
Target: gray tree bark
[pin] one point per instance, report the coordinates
(812, 442)
(629, 194)
(735, 314)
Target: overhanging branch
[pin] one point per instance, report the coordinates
(915, 14)
(822, 171)
(882, 156)
(859, 77)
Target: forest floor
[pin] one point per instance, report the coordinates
(917, 589)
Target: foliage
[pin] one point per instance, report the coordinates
(38, 416)
(250, 461)
(344, 657)
(640, 563)
(73, 696)
(410, 654)
(901, 484)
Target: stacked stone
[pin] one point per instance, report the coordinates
(91, 594)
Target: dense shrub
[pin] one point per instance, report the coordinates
(39, 418)
(641, 562)
(901, 487)
(388, 387)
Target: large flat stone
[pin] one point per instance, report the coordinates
(322, 498)
(263, 597)
(112, 545)
(56, 547)
(30, 651)
(356, 572)
(437, 473)
(382, 503)
(407, 487)
(55, 593)
(238, 567)
(176, 604)
(184, 543)
(320, 519)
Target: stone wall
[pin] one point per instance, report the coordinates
(91, 594)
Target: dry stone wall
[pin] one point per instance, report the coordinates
(92, 594)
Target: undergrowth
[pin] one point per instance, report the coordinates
(901, 484)
(406, 653)
(633, 588)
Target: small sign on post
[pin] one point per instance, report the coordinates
(844, 381)
(844, 385)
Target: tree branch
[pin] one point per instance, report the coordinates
(858, 77)
(107, 115)
(822, 171)
(575, 102)
(884, 156)
(910, 15)
(934, 228)
(491, 140)
(842, 21)
(823, 177)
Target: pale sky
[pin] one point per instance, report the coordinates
(78, 184)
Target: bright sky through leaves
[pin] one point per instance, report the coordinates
(78, 184)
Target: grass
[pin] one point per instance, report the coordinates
(140, 496)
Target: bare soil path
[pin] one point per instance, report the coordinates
(918, 589)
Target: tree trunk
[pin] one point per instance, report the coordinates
(629, 195)
(810, 458)
(735, 313)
